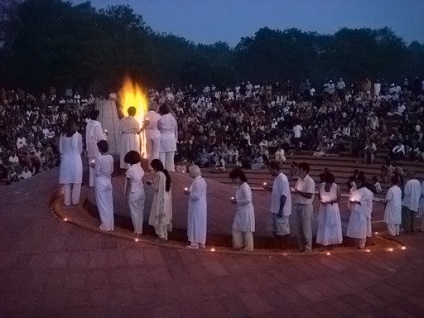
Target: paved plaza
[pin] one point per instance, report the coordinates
(53, 268)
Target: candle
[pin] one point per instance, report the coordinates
(265, 184)
(403, 247)
(93, 161)
(186, 189)
(328, 253)
(232, 198)
(212, 249)
(105, 131)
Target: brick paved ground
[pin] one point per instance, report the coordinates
(50, 268)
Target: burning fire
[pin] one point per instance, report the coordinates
(131, 94)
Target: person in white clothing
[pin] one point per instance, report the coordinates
(360, 206)
(70, 172)
(197, 209)
(134, 190)
(151, 120)
(421, 207)
(329, 223)
(103, 169)
(244, 219)
(130, 140)
(410, 204)
(168, 137)
(297, 134)
(281, 204)
(393, 207)
(93, 134)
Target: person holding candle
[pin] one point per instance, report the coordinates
(70, 172)
(393, 207)
(304, 191)
(130, 140)
(360, 204)
(168, 137)
(281, 203)
(151, 120)
(244, 219)
(134, 190)
(329, 223)
(161, 211)
(103, 169)
(93, 134)
(197, 209)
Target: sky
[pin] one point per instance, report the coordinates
(209, 21)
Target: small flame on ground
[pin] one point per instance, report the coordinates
(136, 239)
(368, 250)
(213, 249)
(65, 219)
(131, 94)
(390, 249)
(376, 233)
(403, 247)
(328, 253)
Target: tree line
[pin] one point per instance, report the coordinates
(52, 43)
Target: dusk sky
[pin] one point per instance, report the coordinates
(209, 21)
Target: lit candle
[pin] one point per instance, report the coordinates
(368, 250)
(390, 249)
(105, 131)
(232, 198)
(212, 249)
(328, 253)
(403, 247)
(93, 161)
(65, 219)
(265, 184)
(185, 189)
(376, 233)
(136, 239)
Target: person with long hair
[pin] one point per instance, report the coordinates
(103, 169)
(197, 209)
(161, 211)
(70, 173)
(134, 190)
(169, 133)
(329, 223)
(244, 219)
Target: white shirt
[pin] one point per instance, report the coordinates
(306, 185)
(412, 194)
(281, 187)
(297, 130)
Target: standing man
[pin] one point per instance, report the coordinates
(360, 205)
(297, 134)
(280, 203)
(393, 207)
(152, 132)
(93, 134)
(410, 204)
(130, 140)
(304, 191)
(168, 137)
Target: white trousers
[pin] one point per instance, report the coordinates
(136, 205)
(393, 229)
(76, 192)
(152, 146)
(90, 173)
(243, 240)
(104, 200)
(167, 159)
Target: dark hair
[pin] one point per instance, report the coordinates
(70, 127)
(395, 179)
(273, 165)
(103, 146)
(237, 173)
(132, 157)
(164, 109)
(329, 177)
(94, 114)
(374, 179)
(158, 166)
(304, 166)
(131, 111)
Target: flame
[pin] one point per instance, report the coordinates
(131, 94)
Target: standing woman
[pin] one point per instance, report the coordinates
(197, 209)
(134, 190)
(103, 169)
(70, 175)
(161, 212)
(244, 220)
(329, 222)
(393, 207)
(168, 137)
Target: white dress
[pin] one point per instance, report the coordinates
(136, 196)
(393, 211)
(93, 134)
(168, 131)
(130, 139)
(359, 225)
(329, 222)
(244, 220)
(103, 189)
(197, 211)
(71, 164)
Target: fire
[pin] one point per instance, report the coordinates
(131, 94)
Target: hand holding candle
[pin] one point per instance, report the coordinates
(186, 191)
(265, 185)
(233, 200)
(106, 132)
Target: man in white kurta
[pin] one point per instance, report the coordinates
(360, 204)
(93, 134)
(151, 120)
(197, 209)
(410, 204)
(281, 204)
(304, 191)
(130, 140)
(168, 139)
(393, 210)
(103, 169)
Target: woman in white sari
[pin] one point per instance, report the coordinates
(161, 211)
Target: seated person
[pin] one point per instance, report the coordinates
(377, 185)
